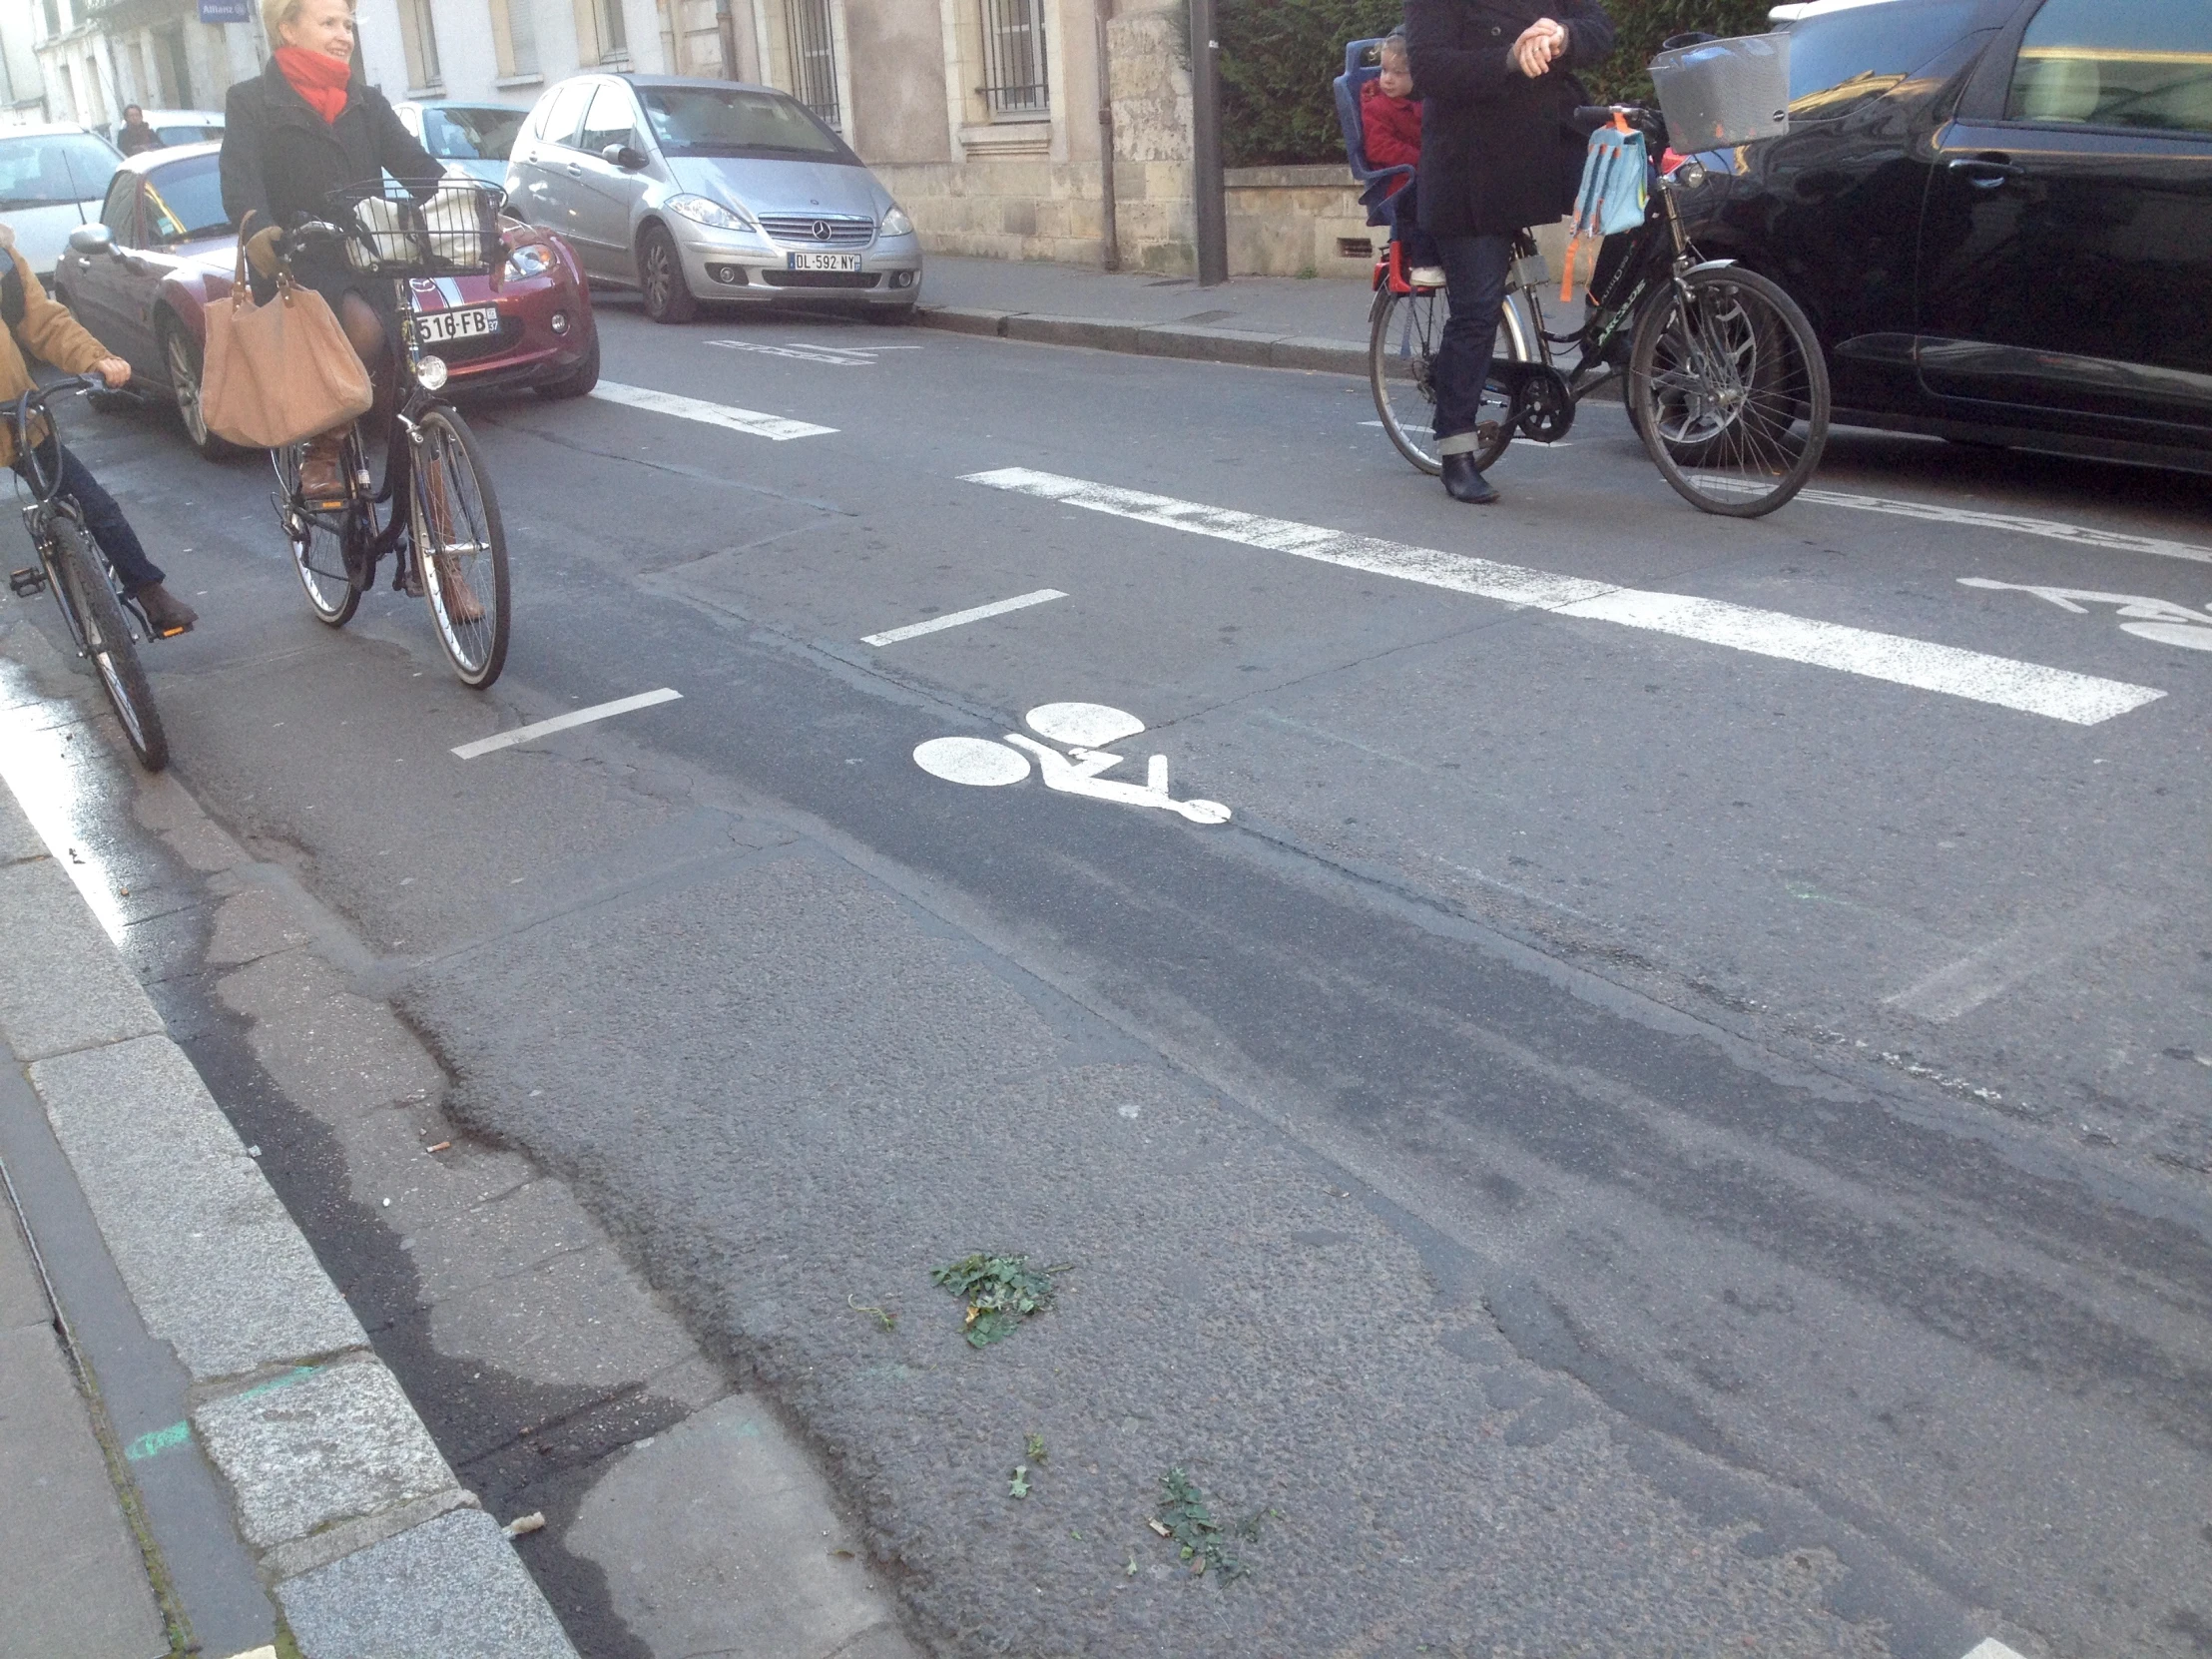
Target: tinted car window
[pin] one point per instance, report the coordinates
(469, 135)
(185, 202)
(566, 110)
(119, 211)
(54, 168)
(710, 121)
(2145, 63)
(611, 121)
(1841, 59)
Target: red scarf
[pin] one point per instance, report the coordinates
(318, 77)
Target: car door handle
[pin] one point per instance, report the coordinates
(575, 171)
(1986, 172)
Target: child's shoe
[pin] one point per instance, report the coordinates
(1427, 276)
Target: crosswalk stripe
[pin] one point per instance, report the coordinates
(726, 415)
(2030, 688)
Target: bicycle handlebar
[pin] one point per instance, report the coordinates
(44, 476)
(1590, 116)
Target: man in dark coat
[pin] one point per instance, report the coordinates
(134, 135)
(1498, 155)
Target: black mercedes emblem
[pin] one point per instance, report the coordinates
(821, 228)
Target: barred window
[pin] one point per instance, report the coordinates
(1013, 60)
(814, 53)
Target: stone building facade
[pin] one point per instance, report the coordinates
(93, 57)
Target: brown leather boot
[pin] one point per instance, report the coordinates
(321, 480)
(461, 603)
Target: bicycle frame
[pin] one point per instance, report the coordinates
(38, 518)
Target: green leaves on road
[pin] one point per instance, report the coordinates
(1000, 1292)
(1186, 1521)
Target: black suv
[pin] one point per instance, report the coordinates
(1998, 216)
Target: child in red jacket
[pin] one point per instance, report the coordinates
(1389, 116)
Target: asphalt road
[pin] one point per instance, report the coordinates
(1627, 1139)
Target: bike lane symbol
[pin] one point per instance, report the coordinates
(1084, 729)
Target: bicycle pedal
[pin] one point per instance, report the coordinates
(172, 633)
(24, 583)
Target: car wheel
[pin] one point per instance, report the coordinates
(668, 297)
(181, 357)
(577, 381)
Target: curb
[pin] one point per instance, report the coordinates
(358, 1526)
(1188, 340)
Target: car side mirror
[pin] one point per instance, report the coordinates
(622, 156)
(89, 240)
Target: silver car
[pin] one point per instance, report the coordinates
(694, 189)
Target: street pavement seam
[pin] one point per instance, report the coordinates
(319, 1447)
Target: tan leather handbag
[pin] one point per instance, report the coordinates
(278, 373)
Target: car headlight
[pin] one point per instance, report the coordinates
(896, 223)
(533, 259)
(713, 215)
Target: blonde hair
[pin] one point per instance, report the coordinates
(276, 13)
(1392, 53)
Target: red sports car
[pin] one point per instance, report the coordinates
(174, 254)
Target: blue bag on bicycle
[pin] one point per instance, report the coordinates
(1615, 193)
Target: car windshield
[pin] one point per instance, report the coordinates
(453, 132)
(713, 121)
(185, 202)
(53, 168)
(188, 134)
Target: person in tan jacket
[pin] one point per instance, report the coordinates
(40, 327)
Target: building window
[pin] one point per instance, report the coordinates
(814, 53)
(53, 18)
(69, 93)
(418, 36)
(614, 32)
(1013, 60)
(515, 36)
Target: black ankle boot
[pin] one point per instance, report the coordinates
(1464, 481)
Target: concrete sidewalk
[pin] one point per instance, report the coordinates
(198, 1450)
(1265, 321)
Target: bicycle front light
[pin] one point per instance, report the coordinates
(533, 259)
(712, 215)
(429, 372)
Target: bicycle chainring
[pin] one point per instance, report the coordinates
(1543, 404)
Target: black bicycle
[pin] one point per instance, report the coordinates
(1726, 383)
(70, 562)
(435, 510)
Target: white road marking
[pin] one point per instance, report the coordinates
(977, 761)
(913, 630)
(2146, 618)
(710, 414)
(2059, 694)
(984, 763)
(1961, 988)
(843, 356)
(561, 722)
(2082, 535)
(1991, 1648)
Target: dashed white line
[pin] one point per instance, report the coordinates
(561, 722)
(913, 630)
(2030, 688)
(778, 427)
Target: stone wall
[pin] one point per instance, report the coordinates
(1298, 222)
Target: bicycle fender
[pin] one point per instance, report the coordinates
(1711, 265)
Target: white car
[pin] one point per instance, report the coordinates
(175, 127)
(53, 178)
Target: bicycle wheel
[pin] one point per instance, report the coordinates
(461, 546)
(1728, 389)
(318, 543)
(81, 580)
(1403, 332)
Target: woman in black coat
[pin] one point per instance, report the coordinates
(299, 130)
(1498, 155)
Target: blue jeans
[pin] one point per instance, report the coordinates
(1476, 271)
(105, 520)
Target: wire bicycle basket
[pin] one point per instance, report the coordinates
(451, 232)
